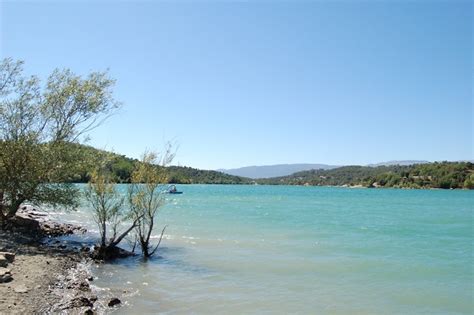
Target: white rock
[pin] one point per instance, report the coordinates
(20, 289)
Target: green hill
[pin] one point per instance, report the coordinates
(121, 167)
(430, 175)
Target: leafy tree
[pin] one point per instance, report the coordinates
(122, 169)
(146, 196)
(107, 204)
(469, 182)
(36, 124)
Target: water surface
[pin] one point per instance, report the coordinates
(303, 250)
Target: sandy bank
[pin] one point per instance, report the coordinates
(46, 277)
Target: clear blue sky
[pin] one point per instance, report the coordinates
(241, 83)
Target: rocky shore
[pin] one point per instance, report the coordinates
(38, 277)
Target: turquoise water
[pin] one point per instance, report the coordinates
(303, 250)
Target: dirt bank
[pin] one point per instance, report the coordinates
(44, 277)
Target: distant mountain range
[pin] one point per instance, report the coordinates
(268, 171)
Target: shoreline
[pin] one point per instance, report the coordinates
(47, 276)
(356, 187)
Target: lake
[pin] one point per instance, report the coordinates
(301, 250)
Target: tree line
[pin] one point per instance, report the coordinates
(121, 168)
(444, 175)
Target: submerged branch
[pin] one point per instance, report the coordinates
(159, 242)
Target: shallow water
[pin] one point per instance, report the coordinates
(302, 250)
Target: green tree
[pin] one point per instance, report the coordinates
(108, 212)
(469, 182)
(36, 125)
(146, 196)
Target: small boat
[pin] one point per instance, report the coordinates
(172, 190)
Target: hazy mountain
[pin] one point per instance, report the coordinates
(266, 171)
(403, 162)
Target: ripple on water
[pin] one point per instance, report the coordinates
(277, 250)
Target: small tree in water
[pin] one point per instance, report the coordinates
(146, 196)
(107, 204)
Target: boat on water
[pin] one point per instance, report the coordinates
(172, 190)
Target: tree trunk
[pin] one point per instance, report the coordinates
(3, 216)
(121, 237)
(104, 233)
(145, 250)
(13, 208)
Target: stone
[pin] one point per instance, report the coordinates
(6, 278)
(80, 301)
(9, 256)
(26, 222)
(5, 275)
(114, 302)
(81, 286)
(3, 261)
(20, 289)
(57, 229)
(89, 312)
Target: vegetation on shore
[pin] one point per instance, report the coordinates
(121, 168)
(138, 209)
(445, 175)
(40, 155)
(37, 122)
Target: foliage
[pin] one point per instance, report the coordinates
(430, 175)
(121, 168)
(189, 175)
(469, 182)
(107, 204)
(37, 124)
(146, 196)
